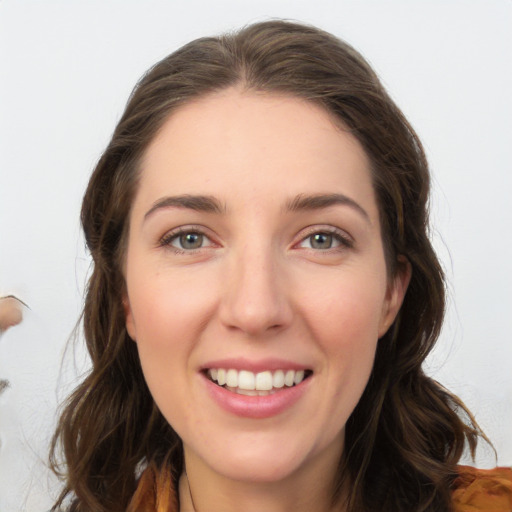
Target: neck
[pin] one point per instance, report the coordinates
(307, 490)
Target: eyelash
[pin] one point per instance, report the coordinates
(344, 240)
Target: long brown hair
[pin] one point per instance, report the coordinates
(406, 435)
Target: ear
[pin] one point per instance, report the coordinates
(395, 293)
(129, 321)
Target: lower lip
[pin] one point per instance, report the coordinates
(257, 407)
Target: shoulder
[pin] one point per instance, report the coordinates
(482, 490)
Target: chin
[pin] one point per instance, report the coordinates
(267, 458)
(257, 468)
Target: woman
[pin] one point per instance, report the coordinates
(264, 294)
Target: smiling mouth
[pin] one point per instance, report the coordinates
(264, 383)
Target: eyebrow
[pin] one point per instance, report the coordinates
(300, 202)
(199, 203)
(319, 201)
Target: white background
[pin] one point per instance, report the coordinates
(66, 69)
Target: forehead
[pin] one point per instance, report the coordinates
(233, 141)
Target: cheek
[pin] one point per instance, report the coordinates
(166, 307)
(167, 314)
(349, 338)
(345, 321)
(346, 312)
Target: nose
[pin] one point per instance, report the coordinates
(255, 298)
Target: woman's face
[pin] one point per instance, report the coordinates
(255, 255)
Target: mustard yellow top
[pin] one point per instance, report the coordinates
(483, 490)
(474, 490)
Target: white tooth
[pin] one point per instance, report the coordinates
(245, 379)
(264, 393)
(288, 379)
(221, 376)
(232, 378)
(247, 392)
(299, 377)
(278, 379)
(264, 381)
(213, 373)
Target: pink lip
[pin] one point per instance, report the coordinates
(256, 407)
(261, 365)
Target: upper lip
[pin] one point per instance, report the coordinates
(255, 366)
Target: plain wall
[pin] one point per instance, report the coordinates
(66, 70)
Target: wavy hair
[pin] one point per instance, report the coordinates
(407, 433)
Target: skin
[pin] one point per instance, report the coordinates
(11, 313)
(256, 288)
